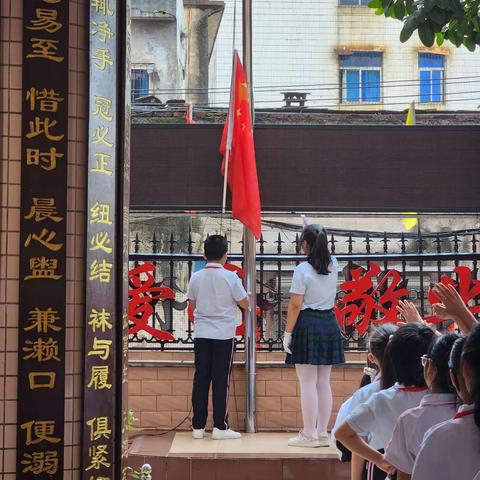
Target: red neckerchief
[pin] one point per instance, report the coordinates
(413, 389)
(464, 413)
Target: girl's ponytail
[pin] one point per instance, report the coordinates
(319, 255)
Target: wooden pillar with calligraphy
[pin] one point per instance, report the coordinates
(42, 294)
(104, 412)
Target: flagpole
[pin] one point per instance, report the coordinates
(228, 144)
(250, 318)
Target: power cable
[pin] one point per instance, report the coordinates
(403, 82)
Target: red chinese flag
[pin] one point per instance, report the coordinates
(189, 116)
(242, 167)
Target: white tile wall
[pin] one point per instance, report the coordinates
(295, 44)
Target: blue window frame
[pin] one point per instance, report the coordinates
(139, 83)
(354, 2)
(431, 68)
(361, 77)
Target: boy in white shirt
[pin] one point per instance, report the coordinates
(214, 294)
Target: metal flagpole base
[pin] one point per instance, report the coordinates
(250, 319)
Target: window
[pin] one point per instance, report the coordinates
(360, 77)
(139, 83)
(354, 2)
(432, 69)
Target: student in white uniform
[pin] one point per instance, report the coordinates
(457, 440)
(436, 407)
(379, 414)
(377, 345)
(312, 338)
(214, 294)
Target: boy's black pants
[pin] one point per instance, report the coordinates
(213, 364)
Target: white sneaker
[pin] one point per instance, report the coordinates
(225, 434)
(198, 433)
(302, 440)
(324, 439)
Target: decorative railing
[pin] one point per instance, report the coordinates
(377, 270)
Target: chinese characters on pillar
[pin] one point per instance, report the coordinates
(101, 322)
(42, 295)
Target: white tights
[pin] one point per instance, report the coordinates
(316, 397)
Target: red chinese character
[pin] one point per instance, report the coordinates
(362, 302)
(467, 287)
(141, 296)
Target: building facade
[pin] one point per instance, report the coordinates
(343, 56)
(172, 42)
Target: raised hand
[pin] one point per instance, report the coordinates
(409, 312)
(453, 307)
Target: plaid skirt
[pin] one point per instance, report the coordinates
(316, 339)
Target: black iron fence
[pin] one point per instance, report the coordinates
(377, 266)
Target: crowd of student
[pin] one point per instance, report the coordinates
(419, 418)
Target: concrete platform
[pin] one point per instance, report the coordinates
(259, 456)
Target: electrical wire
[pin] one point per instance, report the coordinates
(217, 106)
(408, 97)
(333, 85)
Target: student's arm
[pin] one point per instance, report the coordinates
(192, 293)
(357, 445)
(294, 306)
(409, 312)
(357, 467)
(297, 292)
(243, 303)
(411, 315)
(239, 294)
(453, 307)
(403, 475)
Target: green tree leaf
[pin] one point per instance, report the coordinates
(413, 21)
(457, 9)
(405, 34)
(439, 16)
(439, 38)
(469, 44)
(426, 34)
(399, 9)
(428, 5)
(410, 7)
(443, 4)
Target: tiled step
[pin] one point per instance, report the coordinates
(260, 456)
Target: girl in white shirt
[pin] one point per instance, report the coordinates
(377, 345)
(312, 339)
(437, 406)
(456, 440)
(379, 414)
